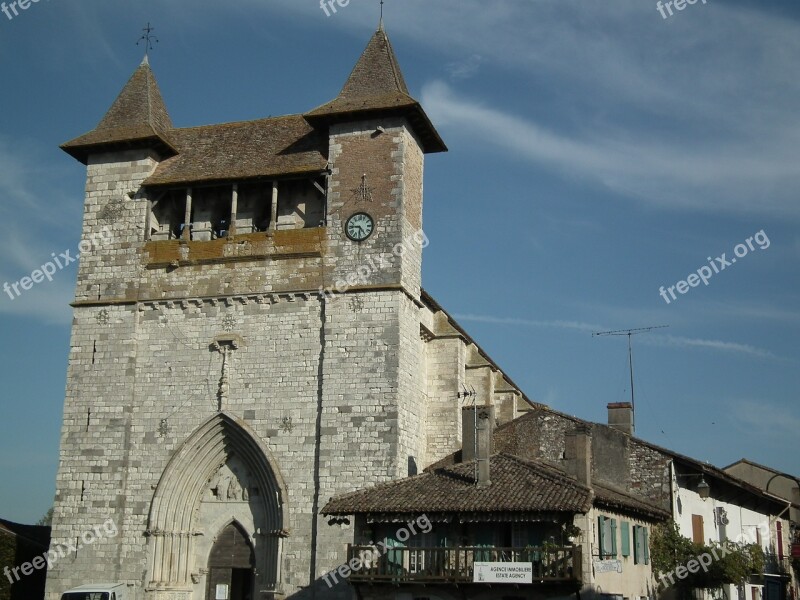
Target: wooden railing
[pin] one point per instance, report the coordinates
(455, 564)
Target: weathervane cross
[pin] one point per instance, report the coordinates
(148, 38)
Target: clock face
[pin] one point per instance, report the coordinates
(359, 227)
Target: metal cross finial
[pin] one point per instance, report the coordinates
(148, 38)
(380, 26)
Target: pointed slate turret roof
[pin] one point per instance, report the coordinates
(138, 118)
(376, 86)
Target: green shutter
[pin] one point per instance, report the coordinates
(614, 538)
(646, 544)
(625, 534)
(600, 535)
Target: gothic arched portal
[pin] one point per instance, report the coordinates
(222, 476)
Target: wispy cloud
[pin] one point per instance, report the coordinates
(641, 167)
(765, 419)
(573, 325)
(28, 189)
(650, 340)
(684, 342)
(466, 68)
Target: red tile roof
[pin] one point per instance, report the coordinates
(517, 486)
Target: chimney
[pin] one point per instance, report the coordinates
(578, 454)
(477, 427)
(620, 416)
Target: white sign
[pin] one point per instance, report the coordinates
(222, 591)
(608, 566)
(503, 572)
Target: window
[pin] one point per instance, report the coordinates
(641, 545)
(698, 536)
(167, 213)
(779, 532)
(607, 537)
(219, 211)
(625, 534)
(211, 212)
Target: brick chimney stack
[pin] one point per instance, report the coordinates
(620, 416)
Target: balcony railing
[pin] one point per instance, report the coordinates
(456, 564)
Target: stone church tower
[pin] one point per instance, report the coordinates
(252, 339)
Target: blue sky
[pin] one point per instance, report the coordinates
(597, 152)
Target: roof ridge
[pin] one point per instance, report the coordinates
(399, 82)
(550, 471)
(240, 122)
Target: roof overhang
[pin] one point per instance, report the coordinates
(417, 118)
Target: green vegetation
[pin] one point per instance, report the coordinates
(734, 565)
(47, 519)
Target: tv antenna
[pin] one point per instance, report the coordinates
(630, 333)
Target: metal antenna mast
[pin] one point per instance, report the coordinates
(630, 333)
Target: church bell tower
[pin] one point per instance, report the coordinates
(246, 341)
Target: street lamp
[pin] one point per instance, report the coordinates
(703, 489)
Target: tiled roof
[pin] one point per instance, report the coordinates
(517, 486)
(375, 85)
(287, 145)
(248, 149)
(138, 117)
(375, 82)
(620, 501)
(35, 534)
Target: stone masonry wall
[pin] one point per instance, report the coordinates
(446, 359)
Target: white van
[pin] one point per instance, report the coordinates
(100, 591)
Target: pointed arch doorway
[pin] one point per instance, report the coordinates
(222, 474)
(231, 566)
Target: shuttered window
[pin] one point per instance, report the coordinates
(641, 545)
(698, 536)
(625, 537)
(607, 537)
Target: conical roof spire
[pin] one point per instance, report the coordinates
(137, 118)
(376, 84)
